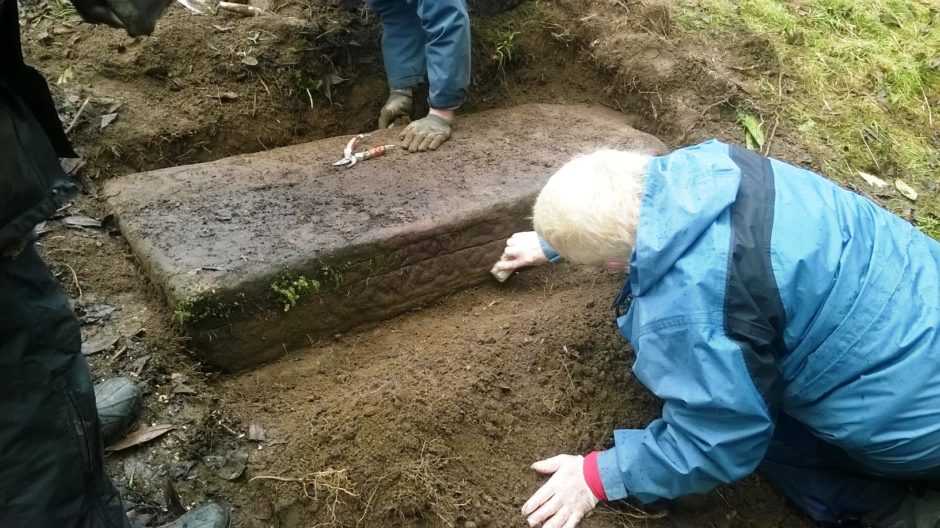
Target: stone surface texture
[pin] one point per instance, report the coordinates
(380, 238)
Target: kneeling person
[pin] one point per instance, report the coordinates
(787, 324)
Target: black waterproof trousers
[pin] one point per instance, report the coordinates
(51, 457)
(51, 467)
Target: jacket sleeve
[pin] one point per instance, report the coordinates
(550, 253)
(715, 427)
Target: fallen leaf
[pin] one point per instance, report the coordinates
(92, 313)
(139, 364)
(182, 388)
(753, 135)
(141, 436)
(256, 433)
(234, 466)
(72, 166)
(748, 87)
(336, 79)
(66, 76)
(41, 228)
(197, 7)
(874, 181)
(905, 189)
(227, 96)
(172, 499)
(99, 344)
(107, 119)
(79, 221)
(222, 29)
(250, 61)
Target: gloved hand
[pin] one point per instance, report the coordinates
(399, 104)
(522, 249)
(137, 17)
(565, 499)
(426, 133)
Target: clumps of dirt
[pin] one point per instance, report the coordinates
(432, 419)
(205, 86)
(682, 87)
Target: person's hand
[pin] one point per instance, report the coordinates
(426, 133)
(137, 17)
(565, 499)
(522, 249)
(399, 104)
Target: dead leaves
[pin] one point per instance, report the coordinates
(872, 180)
(753, 135)
(99, 344)
(80, 222)
(905, 189)
(141, 436)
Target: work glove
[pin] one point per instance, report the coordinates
(399, 104)
(565, 499)
(426, 133)
(137, 17)
(522, 249)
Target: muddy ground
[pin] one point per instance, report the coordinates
(429, 419)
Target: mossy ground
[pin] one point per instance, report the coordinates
(859, 80)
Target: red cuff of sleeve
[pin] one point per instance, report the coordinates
(593, 477)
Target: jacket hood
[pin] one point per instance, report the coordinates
(684, 192)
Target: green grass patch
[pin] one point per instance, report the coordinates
(290, 289)
(861, 79)
(62, 9)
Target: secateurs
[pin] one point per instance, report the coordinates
(350, 158)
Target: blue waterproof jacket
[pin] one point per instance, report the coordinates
(758, 288)
(427, 37)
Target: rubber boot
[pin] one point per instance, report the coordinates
(209, 515)
(921, 511)
(117, 400)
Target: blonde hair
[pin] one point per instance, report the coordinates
(589, 210)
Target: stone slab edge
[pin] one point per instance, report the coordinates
(384, 271)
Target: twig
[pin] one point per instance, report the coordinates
(870, 153)
(310, 97)
(229, 429)
(119, 353)
(334, 489)
(770, 138)
(926, 103)
(75, 279)
(77, 115)
(701, 117)
(368, 505)
(266, 89)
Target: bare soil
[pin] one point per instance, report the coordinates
(429, 419)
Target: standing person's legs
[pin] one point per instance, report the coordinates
(51, 457)
(403, 42)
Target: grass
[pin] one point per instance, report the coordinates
(862, 81)
(62, 9)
